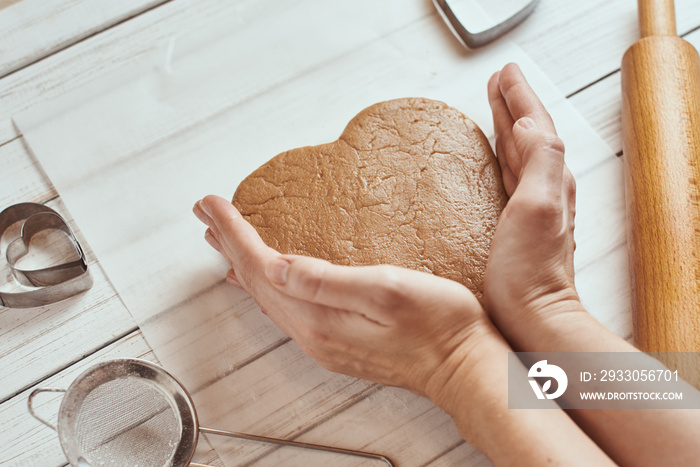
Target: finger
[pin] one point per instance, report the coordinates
(520, 98)
(232, 279)
(502, 120)
(211, 235)
(211, 240)
(543, 163)
(199, 212)
(510, 181)
(238, 239)
(569, 194)
(376, 293)
(318, 281)
(204, 218)
(249, 255)
(366, 289)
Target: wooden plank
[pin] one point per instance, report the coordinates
(80, 64)
(601, 103)
(574, 42)
(36, 342)
(28, 442)
(263, 397)
(602, 274)
(21, 178)
(206, 455)
(33, 29)
(378, 424)
(462, 454)
(6, 3)
(258, 378)
(577, 43)
(458, 452)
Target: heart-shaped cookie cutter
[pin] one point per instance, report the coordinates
(51, 284)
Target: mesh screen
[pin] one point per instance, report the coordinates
(127, 422)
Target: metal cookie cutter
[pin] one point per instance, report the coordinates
(474, 40)
(54, 283)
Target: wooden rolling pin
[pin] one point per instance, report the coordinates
(661, 129)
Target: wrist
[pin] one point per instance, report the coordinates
(471, 385)
(475, 395)
(446, 385)
(563, 326)
(515, 311)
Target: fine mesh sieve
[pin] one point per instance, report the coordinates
(131, 412)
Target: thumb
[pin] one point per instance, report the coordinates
(356, 288)
(376, 292)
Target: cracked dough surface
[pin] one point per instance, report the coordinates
(410, 182)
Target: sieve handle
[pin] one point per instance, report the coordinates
(282, 442)
(30, 401)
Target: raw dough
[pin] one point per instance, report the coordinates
(410, 182)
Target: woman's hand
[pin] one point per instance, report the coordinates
(529, 285)
(391, 325)
(530, 273)
(401, 328)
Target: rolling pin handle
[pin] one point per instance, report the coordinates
(657, 18)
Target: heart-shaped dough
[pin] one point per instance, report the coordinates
(410, 182)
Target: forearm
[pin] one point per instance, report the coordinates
(476, 396)
(631, 437)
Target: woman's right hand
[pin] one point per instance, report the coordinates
(530, 273)
(387, 324)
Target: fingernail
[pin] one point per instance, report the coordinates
(211, 240)
(276, 271)
(527, 123)
(205, 208)
(234, 282)
(232, 279)
(197, 210)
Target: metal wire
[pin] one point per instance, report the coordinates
(127, 421)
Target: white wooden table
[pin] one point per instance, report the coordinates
(50, 46)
